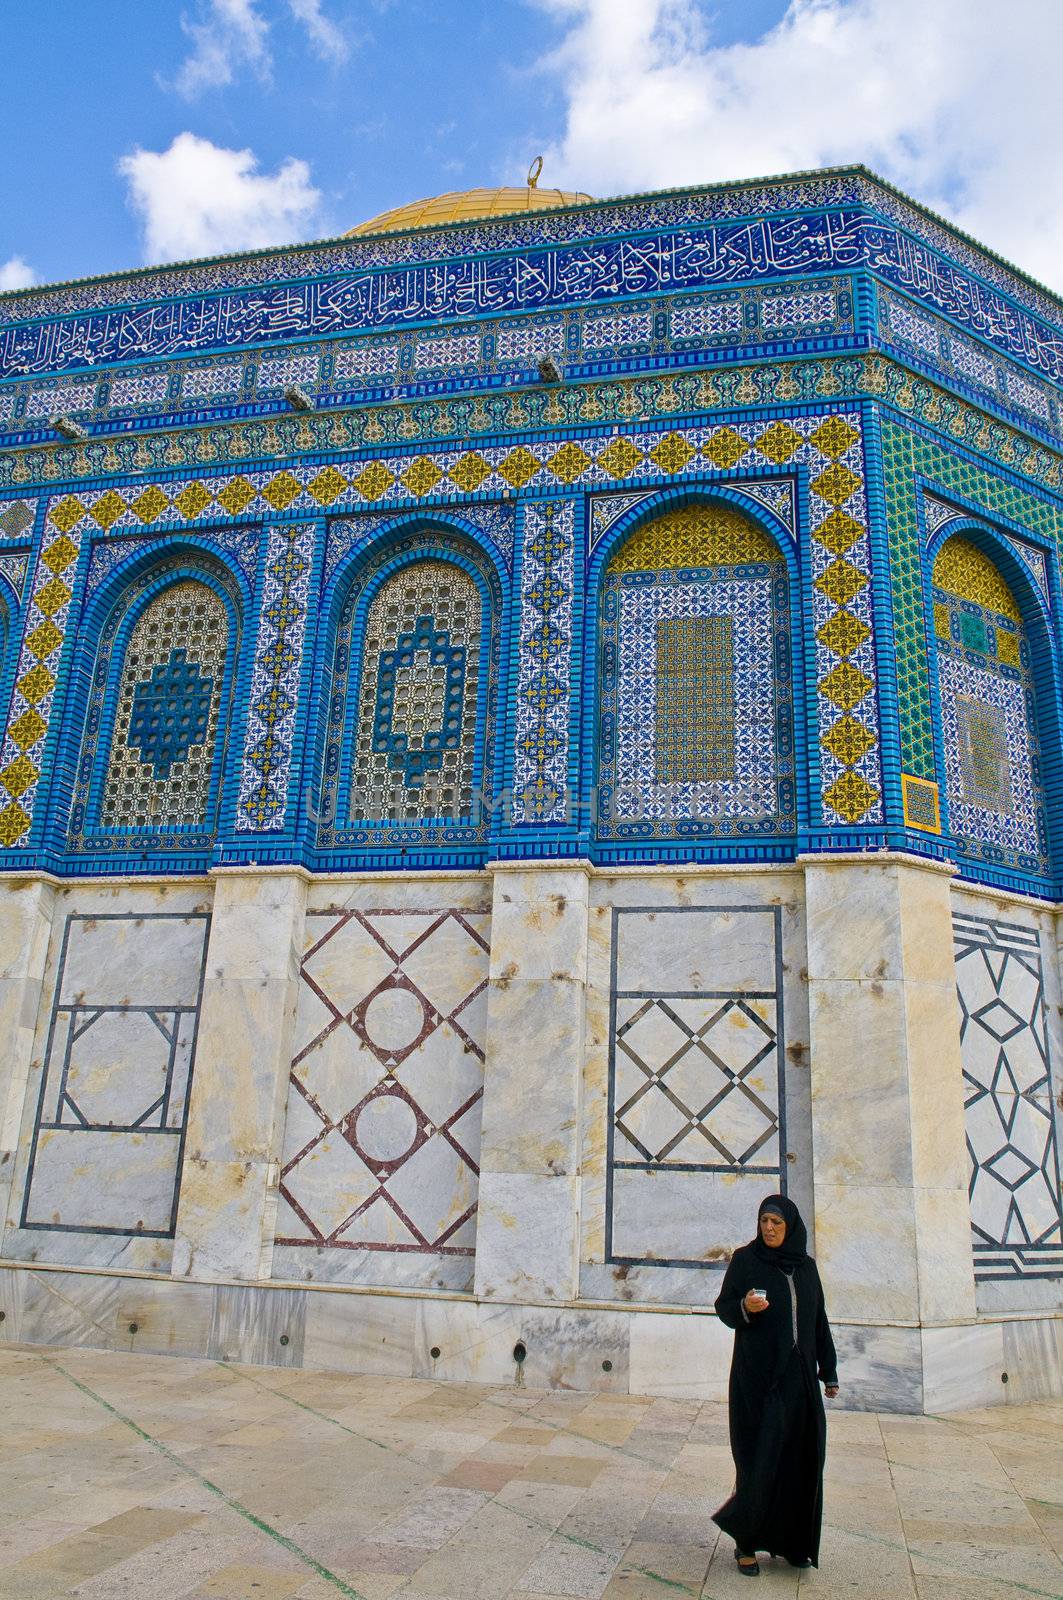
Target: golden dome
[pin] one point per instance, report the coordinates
(462, 205)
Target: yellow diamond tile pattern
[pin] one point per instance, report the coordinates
(845, 686)
(53, 597)
(837, 484)
(569, 462)
(779, 442)
(14, 822)
(17, 776)
(28, 728)
(150, 505)
(44, 639)
(827, 447)
(519, 467)
(844, 633)
(470, 471)
(36, 683)
(620, 458)
(68, 512)
(848, 740)
(851, 796)
(236, 496)
(59, 554)
(725, 448)
(107, 509)
(281, 491)
(421, 476)
(673, 453)
(192, 500)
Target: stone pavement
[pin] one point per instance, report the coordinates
(131, 1476)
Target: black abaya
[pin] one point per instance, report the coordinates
(777, 1424)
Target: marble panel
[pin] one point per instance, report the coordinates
(104, 1181)
(943, 1241)
(382, 1138)
(220, 1220)
(866, 1250)
(531, 1106)
(66, 1308)
(235, 1124)
(27, 907)
(370, 1333)
(674, 1216)
(527, 1236)
(686, 1357)
(12, 1284)
(1033, 1359)
(422, 891)
(261, 1326)
(539, 925)
(854, 922)
(652, 1284)
(690, 949)
(879, 1368)
(169, 1319)
(935, 1085)
(412, 1269)
(962, 1367)
(1019, 1294)
(860, 1104)
(125, 959)
(564, 1348)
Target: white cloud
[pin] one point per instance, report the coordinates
(16, 274)
(197, 198)
(229, 36)
(953, 100)
(322, 33)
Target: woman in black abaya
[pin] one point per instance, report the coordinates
(773, 1299)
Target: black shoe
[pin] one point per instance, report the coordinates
(748, 1568)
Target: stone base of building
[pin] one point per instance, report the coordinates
(680, 1352)
(381, 1115)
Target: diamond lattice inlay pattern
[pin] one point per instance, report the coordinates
(696, 1064)
(1015, 1180)
(383, 1133)
(696, 1081)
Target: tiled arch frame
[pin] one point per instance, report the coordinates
(1048, 694)
(803, 699)
(87, 719)
(341, 843)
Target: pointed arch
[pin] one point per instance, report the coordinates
(996, 702)
(408, 751)
(156, 674)
(695, 735)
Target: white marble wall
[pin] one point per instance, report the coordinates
(711, 956)
(104, 1102)
(354, 1032)
(380, 1160)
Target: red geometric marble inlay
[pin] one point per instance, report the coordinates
(382, 1140)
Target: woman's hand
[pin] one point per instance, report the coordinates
(831, 1391)
(755, 1302)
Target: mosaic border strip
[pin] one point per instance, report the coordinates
(273, 700)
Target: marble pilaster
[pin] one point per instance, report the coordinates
(27, 906)
(528, 1220)
(225, 1220)
(889, 1152)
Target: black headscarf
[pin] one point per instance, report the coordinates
(794, 1248)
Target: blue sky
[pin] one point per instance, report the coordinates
(148, 130)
